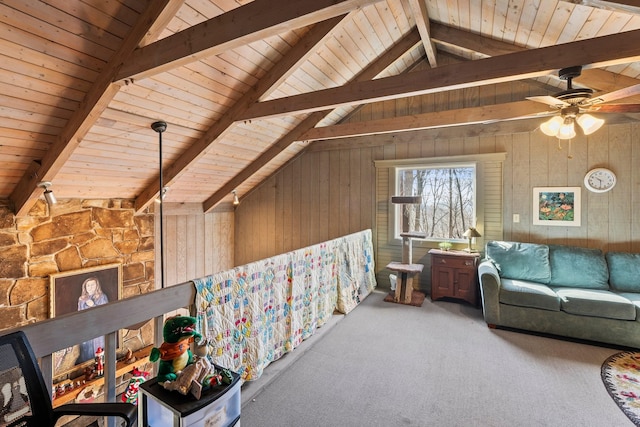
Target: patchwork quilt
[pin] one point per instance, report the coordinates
(255, 313)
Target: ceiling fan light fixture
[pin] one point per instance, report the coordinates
(552, 126)
(567, 130)
(589, 124)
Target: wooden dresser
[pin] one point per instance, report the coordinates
(454, 274)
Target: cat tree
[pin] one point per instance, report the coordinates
(406, 269)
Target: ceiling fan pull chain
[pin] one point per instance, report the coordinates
(569, 155)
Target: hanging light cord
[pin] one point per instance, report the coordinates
(161, 127)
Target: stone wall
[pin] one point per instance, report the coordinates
(71, 235)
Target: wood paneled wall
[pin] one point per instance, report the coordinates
(195, 244)
(319, 196)
(610, 221)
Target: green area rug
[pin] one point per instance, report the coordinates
(621, 376)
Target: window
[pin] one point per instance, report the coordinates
(448, 205)
(483, 210)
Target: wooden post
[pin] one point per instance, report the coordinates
(404, 286)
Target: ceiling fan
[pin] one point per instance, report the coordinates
(575, 104)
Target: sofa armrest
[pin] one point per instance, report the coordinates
(490, 292)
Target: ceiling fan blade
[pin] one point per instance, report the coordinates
(549, 100)
(524, 117)
(616, 94)
(615, 108)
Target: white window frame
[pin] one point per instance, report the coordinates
(478, 159)
(396, 210)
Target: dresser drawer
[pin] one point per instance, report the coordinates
(453, 262)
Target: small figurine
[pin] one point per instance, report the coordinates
(89, 373)
(130, 395)
(99, 362)
(174, 353)
(60, 390)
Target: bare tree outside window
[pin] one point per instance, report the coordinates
(448, 200)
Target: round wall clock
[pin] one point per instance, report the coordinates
(599, 180)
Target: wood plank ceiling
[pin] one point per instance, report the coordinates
(244, 86)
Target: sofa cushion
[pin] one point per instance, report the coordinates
(578, 267)
(520, 261)
(624, 271)
(528, 294)
(596, 303)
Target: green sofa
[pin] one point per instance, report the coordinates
(562, 290)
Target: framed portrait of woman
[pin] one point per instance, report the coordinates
(77, 290)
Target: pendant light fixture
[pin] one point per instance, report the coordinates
(160, 127)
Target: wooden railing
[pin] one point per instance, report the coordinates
(51, 335)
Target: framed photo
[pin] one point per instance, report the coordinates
(559, 206)
(77, 290)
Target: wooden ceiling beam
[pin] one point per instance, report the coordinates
(614, 5)
(94, 103)
(251, 22)
(444, 35)
(278, 73)
(421, 15)
(509, 67)
(373, 70)
(593, 78)
(416, 137)
(492, 129)
(457, 117)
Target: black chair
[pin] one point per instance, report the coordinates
(26, 401)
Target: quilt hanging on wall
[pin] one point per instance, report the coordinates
(255, 313)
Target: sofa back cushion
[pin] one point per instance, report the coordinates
(520, 261)
(578, 267)
(624, 271)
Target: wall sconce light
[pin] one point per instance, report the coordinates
(470, 234)
(48, 194)
(236, 201)
(162, 194)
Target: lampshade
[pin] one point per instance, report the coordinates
(589, 124)
(471, 232)
(552, 126)
(567, 130)
(563, 127)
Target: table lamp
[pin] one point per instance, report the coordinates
(470, 234)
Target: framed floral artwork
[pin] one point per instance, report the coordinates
(557, 206)
(77, 290)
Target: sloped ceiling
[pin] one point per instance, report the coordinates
(246, 86)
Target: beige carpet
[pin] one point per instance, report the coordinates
(438, 365)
